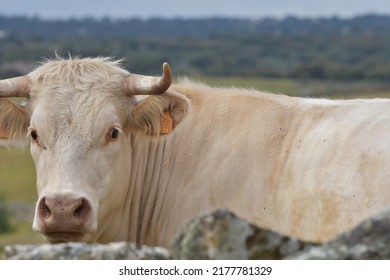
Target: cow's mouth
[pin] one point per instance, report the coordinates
(60, 237)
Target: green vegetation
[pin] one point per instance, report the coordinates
(17, 175)
(5, 225)
(302, 88)
(17, 184)
(322, 49)
(21, 234)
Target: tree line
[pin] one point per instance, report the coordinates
(322, 48)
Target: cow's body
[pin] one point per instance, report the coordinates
(304, 167)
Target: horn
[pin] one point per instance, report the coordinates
(15, 87)
(146, 85)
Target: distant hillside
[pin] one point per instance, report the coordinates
(323, 48)
(24, 27)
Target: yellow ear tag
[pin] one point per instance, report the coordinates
(166, 123)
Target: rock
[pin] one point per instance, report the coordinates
(83, 251)
(368, 241)
(222, 235)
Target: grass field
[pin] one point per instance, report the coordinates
(17, 172)
(17, 185)
(17, 175)
(304, 88)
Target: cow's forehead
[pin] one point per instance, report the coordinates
(76, 85)
(96, 76)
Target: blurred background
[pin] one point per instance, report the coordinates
(333, 49)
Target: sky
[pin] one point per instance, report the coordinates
(63, 9)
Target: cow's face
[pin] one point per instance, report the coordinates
(82, 158)
(81, 116)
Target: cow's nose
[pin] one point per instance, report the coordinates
(63, 213)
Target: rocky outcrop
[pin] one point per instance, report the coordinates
(83, 251)
(222, 235)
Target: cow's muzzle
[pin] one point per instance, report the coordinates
(63, 218)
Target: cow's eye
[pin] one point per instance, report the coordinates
(34, 135)
(114, 133)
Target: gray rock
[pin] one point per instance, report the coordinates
(222, 235)
(368, 241)
(83, 251)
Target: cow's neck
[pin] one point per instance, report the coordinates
(146, 184)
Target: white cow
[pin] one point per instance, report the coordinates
(304, 167)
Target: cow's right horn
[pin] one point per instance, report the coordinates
(15, 87)
(146, 85)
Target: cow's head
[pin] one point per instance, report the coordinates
(80, 117)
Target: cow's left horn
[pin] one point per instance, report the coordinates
(146, 85)
(15, 87)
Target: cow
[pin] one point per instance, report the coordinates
(127, 157)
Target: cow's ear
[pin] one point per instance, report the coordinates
(159, 114)
(14, 122)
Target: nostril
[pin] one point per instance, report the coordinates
(83, 210)
(44, 210)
